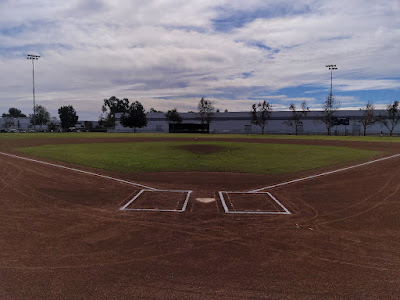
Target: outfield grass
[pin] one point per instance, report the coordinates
(89, 135)
(168, 156)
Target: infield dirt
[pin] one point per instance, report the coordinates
(62, 235)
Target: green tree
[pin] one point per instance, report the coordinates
(53, 124)
(68, 116)
(110, 107)
(88, 125)
(368, 117)
(41, 117)
(297, 116)
(260, 114)
(14, 113)
(206, 110)
(153, 110)
(135, 117)
(173, 116)
(391, 117)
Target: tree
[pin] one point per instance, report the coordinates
(88, 125)
(153, 110)
(391, 117)
(53, 124)
(68, 116)
(42, 116)
(368, 116)
(260, 114)
(14, 113)
(135, 117)
(110, 107)
(173, 116)
(206, 110)
(297, 116)
(329, 110)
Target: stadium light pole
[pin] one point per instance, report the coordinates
(331, 68)
(33, 58)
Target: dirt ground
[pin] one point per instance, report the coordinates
(63, 236)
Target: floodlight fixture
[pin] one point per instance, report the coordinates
(33, 58)
(331, 68)
(30, 56)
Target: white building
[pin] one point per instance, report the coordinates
(9, 123)
(240, 122)
(24, 124)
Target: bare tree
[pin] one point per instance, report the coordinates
(260, 114)
(391, 117)
(329, 110)
(206, 110)
(297, 116)
(368, 117)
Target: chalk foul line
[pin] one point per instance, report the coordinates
(80, 171)
(155, 189)
(323, 174)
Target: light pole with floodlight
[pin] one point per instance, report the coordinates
(33, 58)
(331, 68)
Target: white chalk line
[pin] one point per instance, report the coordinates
(323, 174)
(221, 196)
(80, 171)
(280, 204)
(125, 207)
(227, 211)
(146, 188)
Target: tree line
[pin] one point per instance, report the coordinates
(389, 118)
(133, 115)
(67, 115)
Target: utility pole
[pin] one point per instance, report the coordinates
(33, 58)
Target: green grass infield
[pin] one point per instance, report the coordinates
(257, 158)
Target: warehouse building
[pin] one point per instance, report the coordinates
(348, 123)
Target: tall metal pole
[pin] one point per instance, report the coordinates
(33, 57)
(34, 104)
(331, 68)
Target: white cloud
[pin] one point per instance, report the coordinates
(168, 48)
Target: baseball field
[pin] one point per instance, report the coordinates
(164, 216)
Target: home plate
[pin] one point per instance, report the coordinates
(205, 200)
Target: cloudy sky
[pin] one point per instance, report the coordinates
(170, 53)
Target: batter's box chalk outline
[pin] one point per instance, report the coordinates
(185, 203)
(284, 211)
